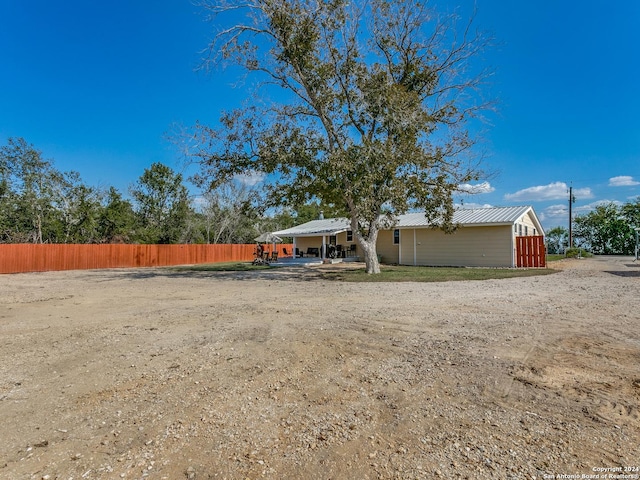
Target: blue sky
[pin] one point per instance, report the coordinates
(97, 87)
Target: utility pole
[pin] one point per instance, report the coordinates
(572, 199)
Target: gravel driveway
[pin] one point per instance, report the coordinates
(166, 375)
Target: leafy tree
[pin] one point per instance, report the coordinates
(557, 240)
(116, 221)
(228, 214)
(376, 101)
(40, 204)
(631, 213)
(7, 207)
(605, 231)
(27, 185)
(76, 208)
(162, 205)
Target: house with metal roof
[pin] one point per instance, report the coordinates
(485, 237)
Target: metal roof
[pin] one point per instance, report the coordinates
(469, 217)
(464, 217)
(329, 226)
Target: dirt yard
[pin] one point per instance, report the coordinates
(165, 375)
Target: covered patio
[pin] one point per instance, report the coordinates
(305, 237)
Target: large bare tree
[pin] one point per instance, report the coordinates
(372, 105)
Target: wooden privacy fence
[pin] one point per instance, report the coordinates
(23, 257)
(531, 252)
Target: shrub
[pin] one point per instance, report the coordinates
(576, 253)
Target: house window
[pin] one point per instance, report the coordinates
(349, 236)
(396, 237)
(520, 229)
(332, 240)
(526, 230)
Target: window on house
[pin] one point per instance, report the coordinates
(396, 237)
(349, 236)
(526, 230)
(332, 240)
(520, 229)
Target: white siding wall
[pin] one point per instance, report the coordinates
(528, 222)
(386, 248)
(468, 246)
(342, 240)
(302, 243)
(406, 246)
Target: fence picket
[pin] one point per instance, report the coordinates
(530, 252)
(26, 257)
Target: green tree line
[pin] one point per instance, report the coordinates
(40, 204)
(609, 229)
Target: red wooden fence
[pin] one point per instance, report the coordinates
(531, 252)
(25, 257)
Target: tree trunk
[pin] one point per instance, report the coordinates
(38, 229)
(368, 244)
(370, 256)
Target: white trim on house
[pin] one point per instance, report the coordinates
(514, 234)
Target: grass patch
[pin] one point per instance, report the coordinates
(433, 274)
(572, 253)
(388, 273)
(223, 267)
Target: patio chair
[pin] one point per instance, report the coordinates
(285, 252)
(257, 255)
(274, 256)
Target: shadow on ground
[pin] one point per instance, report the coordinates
(289, 273)
(625, 273)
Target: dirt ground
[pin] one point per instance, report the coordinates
(165, 375)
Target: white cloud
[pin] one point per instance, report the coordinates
(623, 181)
(472, 206)
(553, 191)
(250, 179)
(484, 187)
(560, 212)
(556, 211)
(554, 215)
